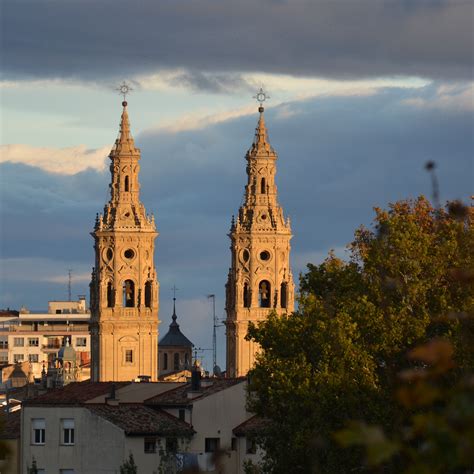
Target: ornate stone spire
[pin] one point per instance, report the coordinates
(124, 285)
(124, 145)
(125, 210)
(260, 279)
(261, 144)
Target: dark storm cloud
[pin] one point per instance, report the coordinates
(345, 39)
(212, 82)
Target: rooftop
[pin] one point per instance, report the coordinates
(76, 393)
(10, 425)
(179, 396)
(250, 426)
(138, 420)
(174, 336)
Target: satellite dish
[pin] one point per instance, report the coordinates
(217, 371)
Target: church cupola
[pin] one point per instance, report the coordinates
(175, 349)
(260, 279)
(124, 285)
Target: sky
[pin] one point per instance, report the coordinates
(362, 95)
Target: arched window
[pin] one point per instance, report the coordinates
(186, 360)
(176, 361)
(110, 295)
(283, 294)
(165, 361)
(263, 186)
(127, 184)
(264, 294)
(128, 294)
(246, 296)
(148, 294)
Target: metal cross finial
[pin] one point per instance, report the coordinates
(174, 290)
(124, 89)
(261, 96)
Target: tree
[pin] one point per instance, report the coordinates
(129, 466)
(337, 357)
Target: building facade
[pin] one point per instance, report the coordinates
(260, 279)
(124, 286)
(38, 337)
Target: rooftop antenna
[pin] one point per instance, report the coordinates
(215, 325)
(69, 285)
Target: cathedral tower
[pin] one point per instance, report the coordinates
(124, 286)
(260, 278)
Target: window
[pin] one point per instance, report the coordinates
(128, 294)
(19, 341)
(148, 294)
(3, 358)
(250, 446)
(33, 341)
(246, 296)
(127, 184)
(38, 426)
(283, 295)
(176, 361)
(33, 357)
(182, 414)
(264, 294)
(17, 358)
(233, 445)
(81, 341)
(186, 360)
(150, 445)
(110, 295)
(67, 426)
(129, 356)
(263, 187)
(211, 445)
(3, 344)
(165, 361)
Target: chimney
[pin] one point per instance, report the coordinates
(196, 377)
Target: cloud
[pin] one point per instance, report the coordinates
(446, 97)
(368, 38)
(338, 157)
(69, 160)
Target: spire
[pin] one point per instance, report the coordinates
(174, 317)
(261, 144)
(124, 145)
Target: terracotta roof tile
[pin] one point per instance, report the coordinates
(75, 393)
(179, 396)
(136, 419)
(250, 426)
(10, 425)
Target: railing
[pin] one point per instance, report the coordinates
(51, 346)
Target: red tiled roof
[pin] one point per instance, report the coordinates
(250, 426)
(136, 419)
(75, 393)
(179, 395)
(10, 425)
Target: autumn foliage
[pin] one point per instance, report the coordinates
(377, 362)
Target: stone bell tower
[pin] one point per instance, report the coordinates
(124, 286)
(260, 278)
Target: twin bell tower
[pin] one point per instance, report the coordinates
(124, 286)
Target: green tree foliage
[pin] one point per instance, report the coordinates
(129, 466)
(409, 279)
